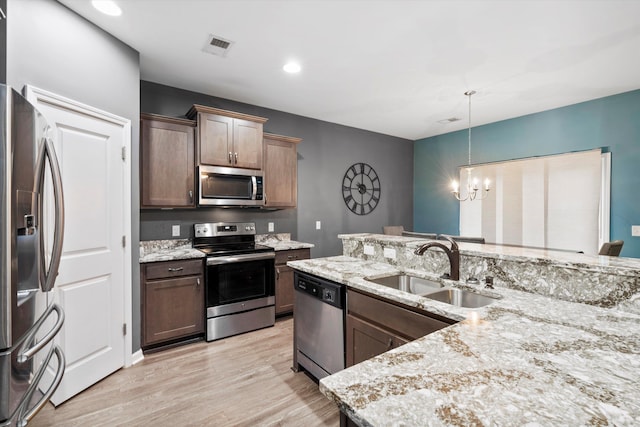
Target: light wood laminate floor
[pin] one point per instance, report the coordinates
(244, 380)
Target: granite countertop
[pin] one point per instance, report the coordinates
(171, 250)
(167, 250)
(524, 359)
(281, 242)
(621, 265)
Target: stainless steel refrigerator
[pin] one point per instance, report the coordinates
(30, 251)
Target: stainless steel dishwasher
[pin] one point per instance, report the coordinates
(318, 319)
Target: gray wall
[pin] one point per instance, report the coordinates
(53, 48)
(3, 44)
(325, 153)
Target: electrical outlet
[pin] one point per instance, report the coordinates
(271, 228)
(390, 253)
(175, 230)
(635, 230)
(318, 225)
(368, 250)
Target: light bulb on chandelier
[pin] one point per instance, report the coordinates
(473, 190)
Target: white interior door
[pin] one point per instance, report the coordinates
(94, 283)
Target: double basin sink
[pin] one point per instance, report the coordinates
(434, 290)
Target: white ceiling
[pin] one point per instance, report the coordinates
(394, 67)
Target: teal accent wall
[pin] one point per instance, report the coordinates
(611, 123)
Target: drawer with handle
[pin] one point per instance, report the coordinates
(292, 255)
(164, 269)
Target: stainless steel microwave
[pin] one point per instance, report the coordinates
(222, 186)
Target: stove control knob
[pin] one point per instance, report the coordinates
(247, 228)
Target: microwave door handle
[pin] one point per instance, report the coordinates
(254, 184)
(47, 153)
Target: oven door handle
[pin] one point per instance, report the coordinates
(240, 258)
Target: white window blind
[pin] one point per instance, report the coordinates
(551, 202)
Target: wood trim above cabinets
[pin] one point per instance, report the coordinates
(167, 119)
(197, 108)
(282, 138)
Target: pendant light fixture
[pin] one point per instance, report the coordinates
(473, 191)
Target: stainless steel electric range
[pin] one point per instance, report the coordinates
(239, 277)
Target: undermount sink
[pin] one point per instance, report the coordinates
(411, 284)
(434, 290)
(460, 298)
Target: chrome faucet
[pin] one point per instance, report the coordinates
(452, 253)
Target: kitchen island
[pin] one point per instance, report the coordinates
(525, 358)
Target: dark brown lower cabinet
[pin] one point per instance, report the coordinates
(345, 421)
(284, 289)
(375, 326)
(366, 340)
(284, 278)
(172, 301)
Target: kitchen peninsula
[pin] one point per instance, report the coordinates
(558, 346)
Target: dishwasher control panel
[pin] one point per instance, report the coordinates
(329, 292)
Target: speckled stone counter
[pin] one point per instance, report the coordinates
(597, 280)
(170, 250)
(281, 242)
(167, 250)
(525, 359)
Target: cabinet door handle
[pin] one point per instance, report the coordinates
(289, 256)
(174, 269)
(390, 343)
(230, 154)
(236, 157)
(277, 274)
(191, 196)
(198, 282)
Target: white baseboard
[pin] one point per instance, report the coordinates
(137, 357)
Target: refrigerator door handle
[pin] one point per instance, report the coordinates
(26, 414)
(29, 349)
(47, 153)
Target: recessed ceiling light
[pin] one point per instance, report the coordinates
(107, 7)
(292, 67)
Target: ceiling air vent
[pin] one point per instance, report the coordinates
(449, 120)
(217, 45)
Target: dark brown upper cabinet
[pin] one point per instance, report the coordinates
(280, 171)
(227, 138)
(166, 162)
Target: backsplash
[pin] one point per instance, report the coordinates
(595, 280)
(278, 237)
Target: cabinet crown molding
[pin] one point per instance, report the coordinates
(167, 119)
(197, 108)
(275, 137)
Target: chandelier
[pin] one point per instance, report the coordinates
(473, 190)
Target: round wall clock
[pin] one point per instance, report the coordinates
(361, 188)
